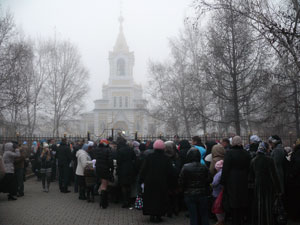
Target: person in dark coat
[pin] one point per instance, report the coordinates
(155, 174)
(173, 192)
(126, 170)
(53, 149)
(278, 155)
(64, 157)
(235, 180)
(266, 186)
(183, 147)
(104, 169)
(195, 179)
(293, 184)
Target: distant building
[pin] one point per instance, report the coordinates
(122, 106)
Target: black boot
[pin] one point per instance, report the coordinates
(103, 199)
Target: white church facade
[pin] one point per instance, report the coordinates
(122, 106)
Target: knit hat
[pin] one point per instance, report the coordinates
(90, 143)
(237, 141)
(219, 165)
(159, 144)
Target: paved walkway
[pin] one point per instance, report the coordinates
(55, 208)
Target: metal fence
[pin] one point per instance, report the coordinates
(288, 140)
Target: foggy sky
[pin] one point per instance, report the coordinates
(93, 26)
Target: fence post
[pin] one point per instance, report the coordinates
(136, 136)
(112, 133)
(88, 136)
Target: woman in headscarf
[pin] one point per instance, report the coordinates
(235, 180)
(173, 192)
(218, 153)
(155, 174)
(9, 181)
(266, 186)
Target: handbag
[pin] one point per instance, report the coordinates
(217, 207)
(279, 212)
(138, 202)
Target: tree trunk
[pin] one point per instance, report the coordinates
(296, 109)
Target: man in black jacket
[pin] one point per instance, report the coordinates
(64, 157)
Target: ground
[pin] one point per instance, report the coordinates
(55, 208)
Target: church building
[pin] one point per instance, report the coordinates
(122, 106)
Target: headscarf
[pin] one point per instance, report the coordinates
(255, 139)
(237, 141)
(170, 148)
(85, 147)
(262, 148)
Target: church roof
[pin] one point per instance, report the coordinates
(121, 44)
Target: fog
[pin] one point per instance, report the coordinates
(93, 26)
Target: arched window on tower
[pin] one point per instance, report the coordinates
(121, 67)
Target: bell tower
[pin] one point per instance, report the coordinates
(121, 60)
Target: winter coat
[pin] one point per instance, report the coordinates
(46, 163)
(155, 174)
(195, 179)
(202, 152)
(216, 184)
(104, 162)
(266, 185)
(83, 159)
(2, 168)
(9, 158)
(278, 155)
(64, 154)
(126, 167)
(235, 177)
(20, 161)
(294, 171)
(176, 168)
(218, 153)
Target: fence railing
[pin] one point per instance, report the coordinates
(287, 140)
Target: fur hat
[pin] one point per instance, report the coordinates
(159, 144)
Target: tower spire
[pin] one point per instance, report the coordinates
(121, 44)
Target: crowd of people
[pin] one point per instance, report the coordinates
(222, 180)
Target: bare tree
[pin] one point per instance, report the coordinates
(233, 63)
(66, 84)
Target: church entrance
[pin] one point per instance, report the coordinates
(121, 126)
